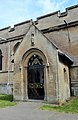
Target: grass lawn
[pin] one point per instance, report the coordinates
(6, 100)
(70, 107)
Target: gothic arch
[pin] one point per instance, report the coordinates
(25, 66)
(15, 47)
(28, 54)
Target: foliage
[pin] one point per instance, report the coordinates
(70, 107)
(6, 100)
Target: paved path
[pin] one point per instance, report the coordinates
(31, 111)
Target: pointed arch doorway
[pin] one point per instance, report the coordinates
(35, 78)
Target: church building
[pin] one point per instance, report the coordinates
(39, 59)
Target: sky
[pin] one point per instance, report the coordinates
(16, 11)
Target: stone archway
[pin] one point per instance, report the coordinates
(34, 75)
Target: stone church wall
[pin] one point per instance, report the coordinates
(57, 18)
(74, 81)
(63, 82)
(5, 85)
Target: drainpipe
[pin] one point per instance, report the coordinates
(4, 40)
(68, 34)
(8, 83)
(69, 40)
(57, 81)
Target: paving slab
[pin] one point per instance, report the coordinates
(31, 111)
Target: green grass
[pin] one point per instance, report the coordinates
(70, 107)
(6, 100)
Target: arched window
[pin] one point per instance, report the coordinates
(15, 47)
(0, 60)
(13, 51)
(65, 75)
(35, 60)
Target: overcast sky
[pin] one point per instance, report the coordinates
(15, 11)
